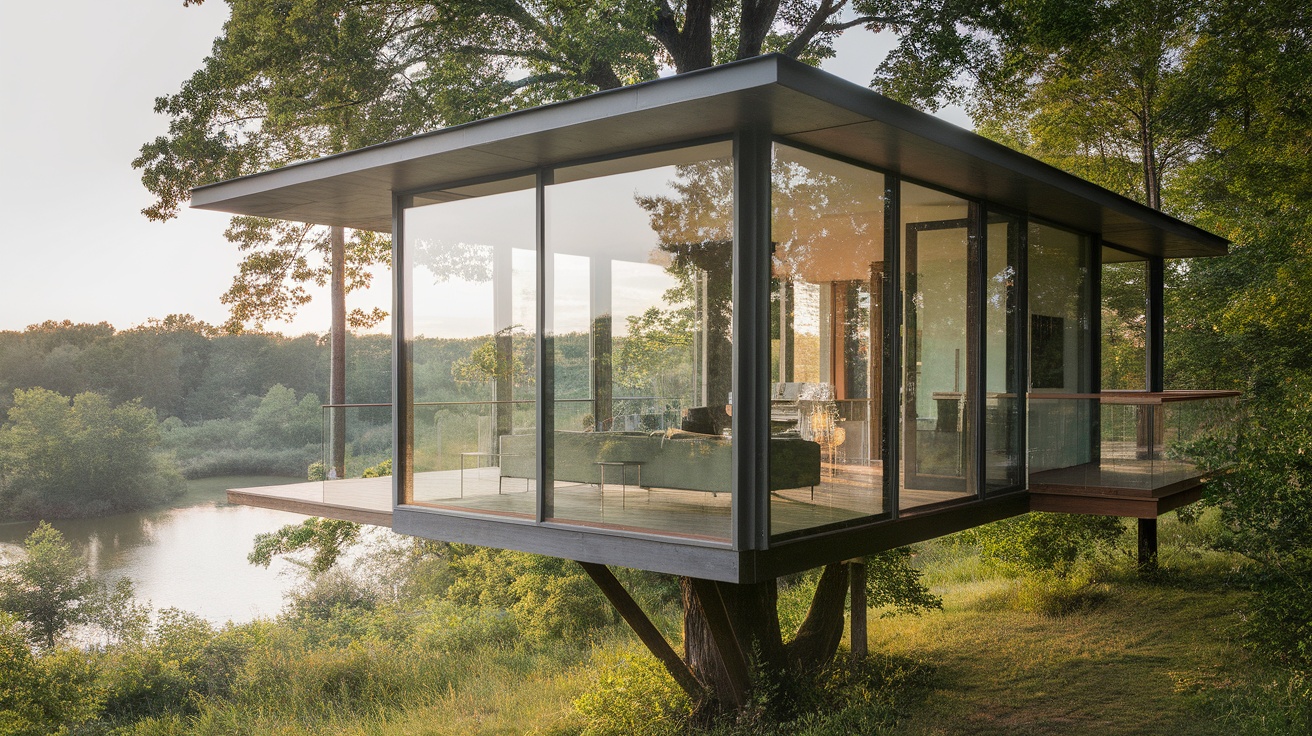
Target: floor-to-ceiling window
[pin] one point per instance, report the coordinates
(1004, 356)
(826, 358)
(469, 261)
(1062, 419)
(639, 306)
(938, 358)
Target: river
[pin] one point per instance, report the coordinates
(191, 556)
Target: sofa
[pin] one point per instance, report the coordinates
(672, 459)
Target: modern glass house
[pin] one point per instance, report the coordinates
(743, 322)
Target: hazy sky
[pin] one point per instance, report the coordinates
(77, 83)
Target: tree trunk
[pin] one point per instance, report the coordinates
(818, 637)
(1148, 151)
(337, 352)
(689, 45)
(753, 26)
(754, 617)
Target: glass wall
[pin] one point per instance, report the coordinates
(639, 306)
(826, 351)
(1124, 292)
(470, 325)
(1003, 356)
(938, 359)
(1062, 428)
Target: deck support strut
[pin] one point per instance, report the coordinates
(643, 627)
(1147, 543)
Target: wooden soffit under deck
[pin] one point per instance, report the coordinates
(791, 100)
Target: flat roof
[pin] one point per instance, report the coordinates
(794, 101)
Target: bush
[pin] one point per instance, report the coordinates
(1265, 498)
(43, 696)
(551, 598)
(1042, 542)
(633, 696)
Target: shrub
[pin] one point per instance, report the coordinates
(1044, 543)
(633, 696)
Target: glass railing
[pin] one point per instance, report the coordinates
(357, 456)
(1132, 441)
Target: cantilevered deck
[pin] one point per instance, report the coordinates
(839, 497)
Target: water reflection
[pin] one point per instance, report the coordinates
(192, 558)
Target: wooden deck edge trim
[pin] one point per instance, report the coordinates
(1170, 489)
(311, 508)
(1137, 508)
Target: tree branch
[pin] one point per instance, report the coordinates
(826, 10)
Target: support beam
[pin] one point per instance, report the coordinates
(1147, 544)
(721, 629)
(858, 582)
(643, 627)
(1155, 370)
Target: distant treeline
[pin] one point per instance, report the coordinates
(249, 403)
(183, 368)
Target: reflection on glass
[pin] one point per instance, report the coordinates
(1002, 356)
(938, 393)
(826, 322)
(470, 321)
(639, 318)
(1061, 433)
(1124, 322)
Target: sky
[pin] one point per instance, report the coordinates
(78, 81)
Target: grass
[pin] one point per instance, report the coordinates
(1137, 656)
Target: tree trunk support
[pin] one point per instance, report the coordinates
(643, 627)
(1147, 544)
(722, 634)
(858, 588)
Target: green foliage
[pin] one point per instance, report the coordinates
(48, 587)
(892, 583)
(633, 695)
(50, 695)
(1266, 505)
(1043, 543)
(550, 597)
(381, 470)
(326, 538)
(80, 458)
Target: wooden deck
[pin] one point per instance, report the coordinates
(845, 493)
(1142, 489)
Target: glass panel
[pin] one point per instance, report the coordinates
(937, 364)
(1124, 321)
(1002, 356)
(1147, 441)
(826, 318)
(639, 314)
(1061, 432)
(470, 260)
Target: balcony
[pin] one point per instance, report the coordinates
(357, 486)
(1124, 453)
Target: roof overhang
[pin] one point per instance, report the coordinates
(793, 101)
